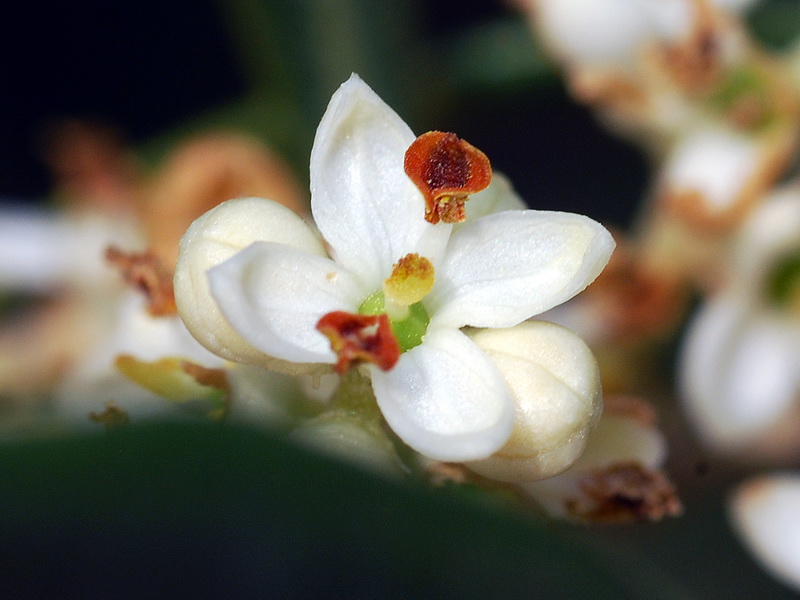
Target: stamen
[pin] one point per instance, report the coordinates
(146, 272)
(360, 338)
(411, 280)
(446, 169)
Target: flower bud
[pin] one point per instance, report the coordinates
(214, 238)
(617, 478)
(555, 382)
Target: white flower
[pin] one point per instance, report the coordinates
(740, 364)
(764, 513)
(444, 396)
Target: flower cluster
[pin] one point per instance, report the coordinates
(720, 116)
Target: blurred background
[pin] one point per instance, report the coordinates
(152, 68)
(155, 72)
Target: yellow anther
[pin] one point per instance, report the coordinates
(411, 280)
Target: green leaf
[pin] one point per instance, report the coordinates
(210, 511)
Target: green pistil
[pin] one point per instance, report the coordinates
(410, 331)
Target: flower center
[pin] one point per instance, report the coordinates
(446, 169)
(400, 299)
(409, 330)
(389, 321)
(360, 338)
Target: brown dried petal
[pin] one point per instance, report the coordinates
(145, 272)
(360, 338)
(625, 492)
(447, 170)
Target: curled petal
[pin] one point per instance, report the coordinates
(447, 170)
(273, 296)
(211, 240)
(510, 266)
(446, 399)
(360, 338)
(365, 206)
(555, 382)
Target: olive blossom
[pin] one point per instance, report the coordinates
(393, 277)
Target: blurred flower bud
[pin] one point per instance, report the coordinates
(740, 364)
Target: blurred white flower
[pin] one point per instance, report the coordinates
(740, 363)
(764, 512)
(254, 284)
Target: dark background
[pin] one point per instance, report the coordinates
(144, 67)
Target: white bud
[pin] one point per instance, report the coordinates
(555, 382)
(620, 438)
(214, 238)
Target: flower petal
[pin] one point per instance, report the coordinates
(555, 383)
(507, 267)
(364, 204)
(499, 196)
(446, 399)
(274, 295)
(214, 238)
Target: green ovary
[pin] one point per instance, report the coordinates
(410, 331)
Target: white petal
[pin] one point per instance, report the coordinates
(498, 197)
(273, 296)
(555, 383)
(446, 399)
(214, 238)
(364, 204)
(740, 374)
(510, 266)
(621, 439)
(765, 514)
